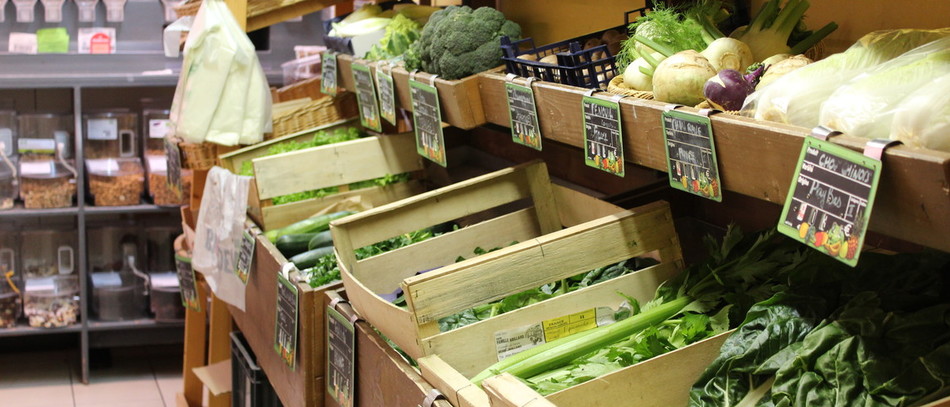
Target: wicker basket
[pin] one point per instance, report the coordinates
(617, 86)
(309, 88)
(202, 156)
(319, 112)
(187, 8)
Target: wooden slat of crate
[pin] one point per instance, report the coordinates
(913, 199)
(383, 377)
(301, 386)
(336, 164)
(460, 99)
(232, 161)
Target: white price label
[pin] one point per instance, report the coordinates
(157, 163)
(22, 43)
(36, 168)
(36, 145)
(102, 129)
(102, 165)
(158, 128)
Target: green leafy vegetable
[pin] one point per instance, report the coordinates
(400, 34)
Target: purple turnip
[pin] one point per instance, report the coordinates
(727, 90)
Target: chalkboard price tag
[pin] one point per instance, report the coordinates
(427, 119)
(691, 154)
(603, 140)
(387, 96)
(523, 116)
(328, 73)
(285, 333)
(341, 351)
(830, 199)
(186, 283)
(245, 256)
(366, 96)
(173, 167)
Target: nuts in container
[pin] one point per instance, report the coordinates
(116, 181)
(9, 308)
(51, 302)
(161, 193)
(8, 183)
(46, 184)
(49, 253)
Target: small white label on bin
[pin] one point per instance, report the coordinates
(36, 168)
(158, 128)
(102, 129)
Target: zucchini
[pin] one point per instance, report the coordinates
(321, 239)
(310, 225)
(290, 245)
(309, 259)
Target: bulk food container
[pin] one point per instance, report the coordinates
(162, 194)
(123, 294)
(38, 135)
(10, 285)
(155, 126)
(165, 297)
(47, 183)
(48, 253)
(51, 302)
(160, 247)
(106, 247)
(111, 134)
(116, 181)
(8, 133)
(9, 189)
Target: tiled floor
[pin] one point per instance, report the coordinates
(140, 377)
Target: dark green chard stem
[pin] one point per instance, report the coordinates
(813, 39)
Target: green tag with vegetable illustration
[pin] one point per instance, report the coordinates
(366, 96)
(245, 255)
(427, 119)
(285, 331)
(691, 154)
(829, 202)
(523, 116)
(341, 351)
(603, 139)
(187, 284)
(387, 96)
(328, 73)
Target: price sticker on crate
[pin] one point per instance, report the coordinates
(516, 340)
(603, 136)
(427, 119)
(387, 94)
(366, 97)
(341, 355)
(173, 166)
(187, 284)
(691, 154)
(831, 196)
(523, 113)
(285, 331)
(245, 255)
(328, 73)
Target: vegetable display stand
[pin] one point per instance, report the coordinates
(233, 160)
(383, 376)
(333, 165)
(659, 382)
(460, 99)
(912, 199)
(303, 385)
(523, 266)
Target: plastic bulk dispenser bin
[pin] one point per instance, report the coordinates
(39, 134)
(48, 253)
(111, 134)
(120, 295)
(10, 285)
(51, 302)
(8, 133)
(155, 126)
(105, 247)
(158, 189)
(9, 182)
(47, 183)
(116, 181)
(165, 297)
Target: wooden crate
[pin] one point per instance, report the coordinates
(233, 161)
(592, 226)
(383, 377)
(331, 165)
(303, 385)
(912, 202)
(460, 99)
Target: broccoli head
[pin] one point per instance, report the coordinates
(458, 42)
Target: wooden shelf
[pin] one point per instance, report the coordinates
(253, 20)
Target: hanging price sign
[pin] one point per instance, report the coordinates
(603, 139)
(245, 255)
(186, 283)
(366, 96)
(387, 95)
(523, 114)
(691, 154)
(341, 355)
(285, 332)
(427, 119)
(328, 73)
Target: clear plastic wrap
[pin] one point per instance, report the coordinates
(796, 98)
(864, 107)
(922, 119)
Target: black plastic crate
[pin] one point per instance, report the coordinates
(575, 66)
(249, 385)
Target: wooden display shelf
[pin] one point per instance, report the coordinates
(256, 14)
(756, 158)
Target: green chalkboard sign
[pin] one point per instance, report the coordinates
(427, 120)
(691, 154)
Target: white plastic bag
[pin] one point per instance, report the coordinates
(219, 231)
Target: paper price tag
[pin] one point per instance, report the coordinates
(22, 43)
(245, 256)
(159, 128)
(387, 96)
(830, 199)
(328, 77)
(186, 283)
(102, 129)
(427, 120)
(691, 154)
(603, 139)
(102, 165)
(285, 331)
(523, 115)
(36, 168)
(341, 352)
(366, 97)
(517, 340)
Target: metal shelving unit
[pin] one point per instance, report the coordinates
(30, 331)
